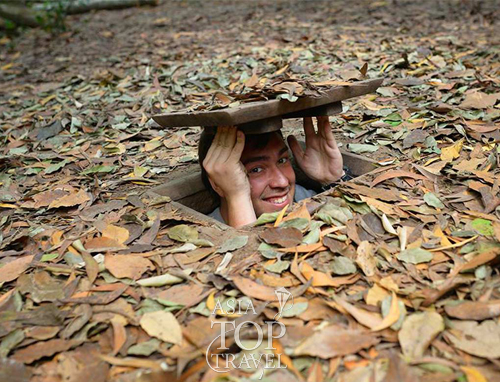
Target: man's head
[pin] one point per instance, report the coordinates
(267, 161)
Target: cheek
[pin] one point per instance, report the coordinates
(257, 186)
(289, 173)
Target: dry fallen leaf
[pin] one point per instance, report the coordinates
(70, 200)
(333, 341)
(128, 266)
(119, 234)
(162, 325)
(13, 269)
(418, 331)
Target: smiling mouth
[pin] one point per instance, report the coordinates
(277, 200)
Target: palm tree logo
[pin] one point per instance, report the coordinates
(283, 296)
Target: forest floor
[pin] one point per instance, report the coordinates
(394, 275)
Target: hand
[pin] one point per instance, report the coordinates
(322, 160)
(228, 176)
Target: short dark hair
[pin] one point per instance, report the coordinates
(256, 141)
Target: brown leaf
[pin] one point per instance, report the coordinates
(133, 362)
(45, 198)
(39, 350)
(252, 81)
(116, 233)
(396, 174)
(479, 339)
(12, 270)
(82, 314)
(366, 258)
(42, 333)
(119, 333)
(399, 371)
(479, 100)
(364, 317)
(284, 237)
(162, 325)
(89, 213)
(71, 200)
(99, 299)
(252, 289)
(474, 310)
(187, 295)
(13, 371)
(194, 256)
(322, 279)
(375, 193)
(418, 331)
(480, 259)
(128, 266)
(41, 286)
(91, 266)
(334, 341)
(103, 244)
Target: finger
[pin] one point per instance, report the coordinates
(212, 147)
(231, 137)
(297, 151)
(309, 129)
(238, 147)
(324, 127)
(216, 147)
(229, 143)
(225, 145)
(226, 137)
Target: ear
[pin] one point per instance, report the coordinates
(216, 188)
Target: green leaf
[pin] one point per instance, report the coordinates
(145, 348)
(432, 200)
(386, 307)
(334, 215)
(415, 256)
(483, 227)
(297, 309)
(183, 233)
(268, 251)
(49, 256)
(203, 243)
(278, 267)
(299, 223)
(99, 168)
(360, 148)
(56, 167)
(10, 341)
(233, 244)
(267, 217)
(312, 237)
(288, 97)
(343, 266)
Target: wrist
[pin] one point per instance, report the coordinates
(344, 177)
(240, 211)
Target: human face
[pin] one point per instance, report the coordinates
(271, 175)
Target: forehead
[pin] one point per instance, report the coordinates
(265, 145)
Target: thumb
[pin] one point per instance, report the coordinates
(297, 151)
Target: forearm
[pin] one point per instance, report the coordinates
(239, 211)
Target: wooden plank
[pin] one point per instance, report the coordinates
(253, 111)
(328, 109)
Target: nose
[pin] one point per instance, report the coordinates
(278, 179)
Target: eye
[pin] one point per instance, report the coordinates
(255, 170)
(283, 160)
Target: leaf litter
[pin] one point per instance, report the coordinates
(394, 275)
